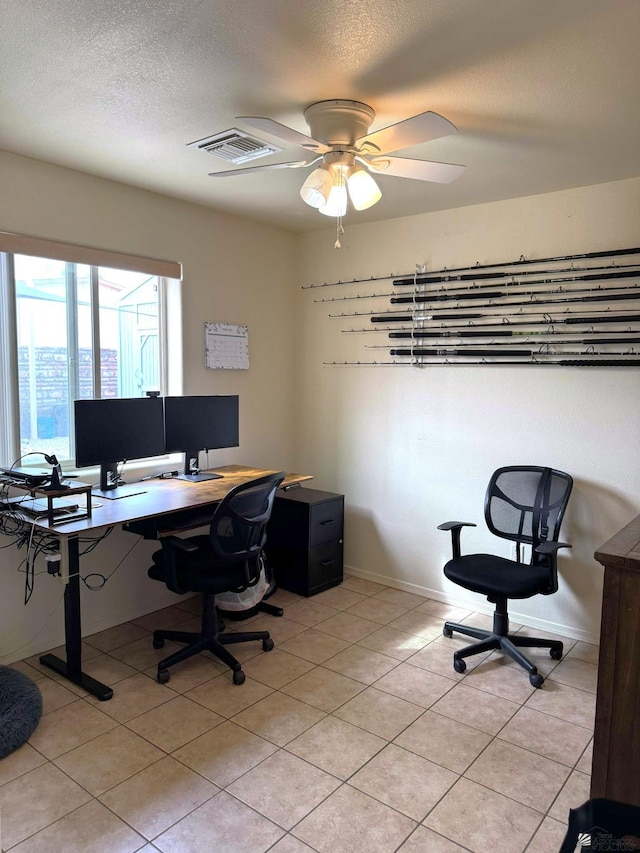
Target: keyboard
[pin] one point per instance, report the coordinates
(26, 474)
(38, 506)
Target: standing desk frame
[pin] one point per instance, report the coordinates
(165, 506)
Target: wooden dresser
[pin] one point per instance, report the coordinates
(616, 748)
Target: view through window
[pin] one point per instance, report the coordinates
(81, 332)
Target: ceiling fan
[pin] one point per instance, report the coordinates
(347, 153)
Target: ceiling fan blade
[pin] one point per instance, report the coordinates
(293, 164)
(283, 132)
(420, 170)
(411, 131)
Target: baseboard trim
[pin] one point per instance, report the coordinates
(54, 637)
(475, 604)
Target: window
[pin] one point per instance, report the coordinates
(74, 331)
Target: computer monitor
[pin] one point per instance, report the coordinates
(115, 430)
(192, 424)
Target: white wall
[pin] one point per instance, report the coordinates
(235, 271)
(411, 447)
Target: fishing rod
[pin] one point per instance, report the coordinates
(469, 277)
(500, 327)
(503, 320)
(634, 339)
(391, 316)
(471, 353)
(486, 353)
(615, 253)
(506, 284)
(470, 292)
(448, 296)
(533, 361)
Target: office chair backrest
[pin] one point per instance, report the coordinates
(526, 504)
(238, 526)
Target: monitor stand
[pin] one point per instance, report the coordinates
(198, 477)
(192, 474)
(111, 492)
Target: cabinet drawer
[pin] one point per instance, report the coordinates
(307, 572)
(325, 566)
(325, 522)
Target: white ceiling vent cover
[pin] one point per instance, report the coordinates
(234, 146)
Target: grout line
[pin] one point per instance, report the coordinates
(365, 686)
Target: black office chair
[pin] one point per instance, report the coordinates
(524, 504)
(600, 825)
(227, 559)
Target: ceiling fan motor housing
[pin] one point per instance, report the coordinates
(339, 122)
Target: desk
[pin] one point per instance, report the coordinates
(164, 503)
(616, 742)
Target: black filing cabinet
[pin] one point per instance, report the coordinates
(304, 540)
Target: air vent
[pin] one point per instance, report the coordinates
(234, 146)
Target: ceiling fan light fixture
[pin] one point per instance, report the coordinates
(317, 188)
(363, 190)
(337, 202)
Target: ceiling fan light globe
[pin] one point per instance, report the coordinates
(336, 203)
(317, 188)
(363, 190)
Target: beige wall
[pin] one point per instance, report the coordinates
(235, 271)
(412, 447)
(409, 447)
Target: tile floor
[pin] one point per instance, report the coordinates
(354, 735)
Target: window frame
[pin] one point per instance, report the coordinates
(168, 274)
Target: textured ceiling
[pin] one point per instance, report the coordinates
(544, 93)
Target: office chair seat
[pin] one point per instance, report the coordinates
(524, 504)
(491, 576)
(194, 573)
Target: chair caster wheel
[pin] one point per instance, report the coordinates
(459, 665)
(536, 680)
(267, 645)
(556, 654)
(163, 676)
(158, 643)
(239, 677)
(447, 632)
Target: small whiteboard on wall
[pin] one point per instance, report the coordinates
(226, 346)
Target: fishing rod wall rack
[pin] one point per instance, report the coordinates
(572, 311)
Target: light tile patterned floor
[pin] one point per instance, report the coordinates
(354, 735)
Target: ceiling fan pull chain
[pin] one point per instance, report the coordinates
(339, 231)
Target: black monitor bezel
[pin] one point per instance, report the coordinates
(113, 430)
(191, 421)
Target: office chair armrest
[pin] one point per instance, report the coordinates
(455, 527)
(171, 545)
(551, 547)
(180, 544)
(549, 550)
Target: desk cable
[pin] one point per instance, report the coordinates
(14, 525)
(95, 586)
(40, 542)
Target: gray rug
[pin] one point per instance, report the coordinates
(20, 709)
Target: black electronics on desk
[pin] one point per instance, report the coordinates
(111, 431)
(195, 423)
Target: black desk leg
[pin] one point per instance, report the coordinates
(72, 667)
